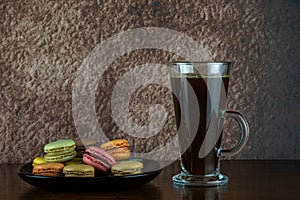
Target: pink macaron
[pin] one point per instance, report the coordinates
(98, 158)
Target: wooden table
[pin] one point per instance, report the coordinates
(247, 180)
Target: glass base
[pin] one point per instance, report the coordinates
(183, 179)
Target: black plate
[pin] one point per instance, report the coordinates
(99, 182)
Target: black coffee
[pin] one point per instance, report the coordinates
(191, 163)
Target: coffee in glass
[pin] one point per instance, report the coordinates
(199, 96)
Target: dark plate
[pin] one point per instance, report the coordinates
(99, 182)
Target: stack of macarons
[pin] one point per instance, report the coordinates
(58, 155)
(83, 159)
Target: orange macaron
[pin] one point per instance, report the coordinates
(118, 148)
(48, 169)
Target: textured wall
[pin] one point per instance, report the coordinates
(43, 43)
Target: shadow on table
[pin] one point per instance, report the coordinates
(147, 191)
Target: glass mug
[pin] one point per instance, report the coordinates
(199, 96)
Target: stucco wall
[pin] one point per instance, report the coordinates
(43, 44)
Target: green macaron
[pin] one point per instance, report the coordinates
(60, 151)
(129, 167)
(59, 145)
(79, 170)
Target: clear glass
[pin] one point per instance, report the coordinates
(199, 96)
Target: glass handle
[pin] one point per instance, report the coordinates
(243, 124)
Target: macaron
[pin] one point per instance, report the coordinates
(98, 158)
(60, 151)
(82, 144)
(129, 167)
(38, 161)
(74, 161)
(48, 169)
(79, 170)
(119, 149)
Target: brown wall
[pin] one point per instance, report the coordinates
(43, 43)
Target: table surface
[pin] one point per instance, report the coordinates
(247, 180)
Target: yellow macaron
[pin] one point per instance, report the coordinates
(38, 160)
